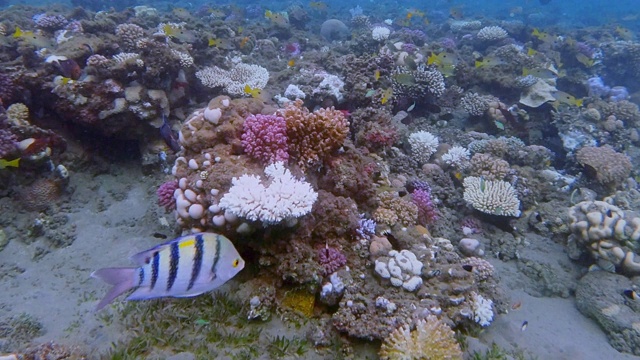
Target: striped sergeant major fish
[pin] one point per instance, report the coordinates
(184, 267)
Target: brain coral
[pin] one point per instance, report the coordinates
(605, 164)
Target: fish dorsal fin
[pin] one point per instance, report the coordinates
(142, 258)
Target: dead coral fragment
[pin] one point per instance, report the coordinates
(431, 340)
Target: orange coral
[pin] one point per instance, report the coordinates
(313, 136)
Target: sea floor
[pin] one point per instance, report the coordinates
(114, 214)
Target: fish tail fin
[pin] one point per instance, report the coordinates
(122, 280)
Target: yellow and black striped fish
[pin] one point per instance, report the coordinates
(184, 267)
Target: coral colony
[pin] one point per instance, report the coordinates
(367, 167)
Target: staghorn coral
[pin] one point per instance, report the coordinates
(491, 197)
(609, 167)
(431, 339)
(313, 136)
(488, 167)
(457, 157)
(426, 208)
(331, 259)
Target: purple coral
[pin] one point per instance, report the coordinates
(265, 138)
(331, 259)
(366, 228)
(8, 143)
(426, 209)
(165, 195)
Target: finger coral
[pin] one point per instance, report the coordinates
(431, 339)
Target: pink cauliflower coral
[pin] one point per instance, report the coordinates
(165, 195)
(265, 138)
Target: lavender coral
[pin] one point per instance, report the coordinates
(426, 209)
(265, 138)
(331, 259)
(7, 143)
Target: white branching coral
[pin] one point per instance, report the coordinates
(491, 197)
(492, 33)
(284, 198)
(423, 145)
(431, 339)
(234, 81)
(482, 309)
(380, 33)
(457, 157)
(128, 58)
(184, 58)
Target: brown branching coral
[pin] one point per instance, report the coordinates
(432, 339)
(313, 135)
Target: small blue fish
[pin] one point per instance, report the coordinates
(168, 135)
(184, 267)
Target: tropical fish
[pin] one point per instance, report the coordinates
(585, 60)
(181, 13)
(404, 79)
(456, 13)
(565, 98)
(179, 33)
(542, 36)
(532, 52)
(9, 163)
(224, 44)
(540, 73)
(488, 62)
(32, 38)
(279, 19)
(318, 5)
(386, 96)
(243, 42)
(184, 267)
(441, 59)
(291, 63)
(624, 33)
(168, 135)
(376, 75)
(254, 92)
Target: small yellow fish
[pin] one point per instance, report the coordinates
(32, 38)
(624, 33)
(177, 32)
(488, 62)
(9, 163)
(181, 13)
(404, 79)
(542, 36)
(376, 75)
(532, 52)
(386, 96)
(442, 58)
(224, 44)
(291, 63)
(585, 60)
(565, 98)
(540, 73)
(278, 19)
(243, 42)
(318, 5)
(254, 92)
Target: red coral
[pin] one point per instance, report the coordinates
(165, 195)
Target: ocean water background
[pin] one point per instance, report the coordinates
(561, 13)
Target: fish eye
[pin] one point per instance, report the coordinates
(236, 262)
